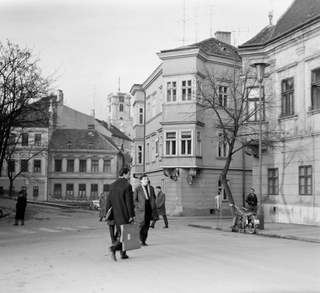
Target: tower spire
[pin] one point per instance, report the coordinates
(119, 84)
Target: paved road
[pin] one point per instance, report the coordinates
(71, 255)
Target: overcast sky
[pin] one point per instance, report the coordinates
(91, 43)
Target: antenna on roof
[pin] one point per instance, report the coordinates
(270, 17)
(211, 14)
(119, 84)
(196, 21)
(184, 20)
(94, 101)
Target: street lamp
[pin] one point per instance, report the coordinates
(260, 67)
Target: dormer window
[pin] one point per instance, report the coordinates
(90, 146)
(69, 145)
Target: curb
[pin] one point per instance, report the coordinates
(263, 234)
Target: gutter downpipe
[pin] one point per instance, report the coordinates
(144, 128)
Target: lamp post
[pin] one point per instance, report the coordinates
(260, 67)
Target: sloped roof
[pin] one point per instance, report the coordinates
(211, 46)
(114, 130)
(298, 14)
(80, 139)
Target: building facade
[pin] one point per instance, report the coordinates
(291, 172)
(82, 164)
(176, 146)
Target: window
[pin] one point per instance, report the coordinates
(315, 89)
(148, 153)
(106, 187)
(37, 166)
(37, 139)
(287, 97)
(186, 142)
(69, 190)
(223, 147)
(171, 141)
(24, 189)
(94, 190)
(107, 166)
(57, 190)
(121, 99)
(140, 115)
(94, 166)
(273, 181)
(153, 106)
(186, 90)
(35, 191)
(82, 190)
(24, 139)
(221, 190)
(157, 146)
(172, 91)
(12, 166)
(24, 165)
(83, 166)
(223, 96)
(198, 143)
(253, 104)
(70, 165)
(121, 107)
(305, 180)
(139, 158)
(57, 165)
(12, 138)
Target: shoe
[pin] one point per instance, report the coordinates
(113, 253)
(152, 227)
(166, 227)
(144, 244)
(22, 224)
(124, 256)
(15, 224)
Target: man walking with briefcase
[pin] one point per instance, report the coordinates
(121, 200)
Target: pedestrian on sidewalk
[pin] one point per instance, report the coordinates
(20, 208)
(121, 200)
(252, 201)
(161, 206)
(145, 207)
(102, 204)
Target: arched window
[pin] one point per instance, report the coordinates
(121, 108)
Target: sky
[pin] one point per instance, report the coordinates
(89, 45)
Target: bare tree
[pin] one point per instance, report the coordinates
(22, 85)
(231, 98)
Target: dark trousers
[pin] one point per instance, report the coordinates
(165, 219)
(144, 226)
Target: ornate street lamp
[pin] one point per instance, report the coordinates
(260, 67)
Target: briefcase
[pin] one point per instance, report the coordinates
(130, 237)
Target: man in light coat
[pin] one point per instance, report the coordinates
(145, 207)
(161, 205)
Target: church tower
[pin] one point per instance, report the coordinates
(118, 111)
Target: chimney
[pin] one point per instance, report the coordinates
(109, 122)
(223, 37)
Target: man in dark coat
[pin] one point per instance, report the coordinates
(161, 205)
(145, 207)
(20, 208)
(121, 200)
(252, 201)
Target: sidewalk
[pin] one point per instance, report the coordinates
(275, 230)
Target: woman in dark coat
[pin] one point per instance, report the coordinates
(20, 208)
